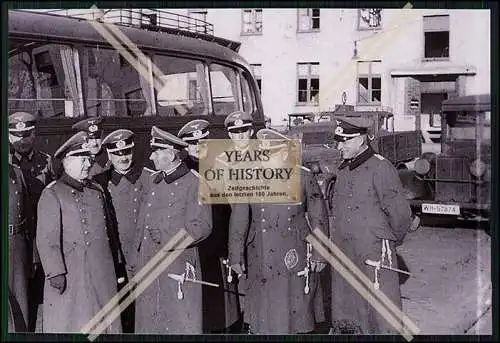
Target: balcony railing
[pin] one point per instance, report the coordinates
(153, 19)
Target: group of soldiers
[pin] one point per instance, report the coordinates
(81, 228)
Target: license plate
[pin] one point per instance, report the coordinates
(441, 209)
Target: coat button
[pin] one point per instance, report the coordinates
(135, 189)
(152, 193)
(147, 215)
(149, 205)
(263, 220)
(170, 205)
(85, 232)
(135, 199)
(263, 230)
(289, 229)
(262, 209)
(348, 207)
(135, 210)
(147, 226)
(88, 243)
(289, 207)
(168, 217)
(176, 183)
(289, 219)
(17, 192)
(350, 195)
(145, 237)
(172, 193)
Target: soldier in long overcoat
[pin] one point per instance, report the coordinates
(20, 263)
(276, 300)
(73, 240)
(220, 305)
(123, 183)
(37, 169)
(370, 219)
(170, 204)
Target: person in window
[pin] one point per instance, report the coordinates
(123, 183)
(268, 245)
(38, 170)
(169, 204)
(92, 126)
(20, 263)
(213, 250)
(73, 239)
(370, 219)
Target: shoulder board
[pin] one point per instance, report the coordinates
(379, 157)
(44, 154)
(51, 184)
(195, 173)
(305, 168)
(149, 170)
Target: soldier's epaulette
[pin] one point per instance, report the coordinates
(380, 157)
(305, 168)
(51, 184)
(45, 154)
(149, 170)
(195, 173)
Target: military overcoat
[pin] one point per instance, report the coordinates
(275, 246)
(368, 206)
(73, 240)
(220, 305)
(170, 205)
(19, 257)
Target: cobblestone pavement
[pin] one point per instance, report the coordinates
(450, 289)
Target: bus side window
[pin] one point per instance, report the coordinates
(113, 86)
(249, 103)
(183, 86)
(224, 89)
(41, 80)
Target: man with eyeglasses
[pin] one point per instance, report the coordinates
(169, 204)
(124, 183)
(37, 169)
(370, 219)
(73, 239)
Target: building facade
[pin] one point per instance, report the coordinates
(309, 60)
(403, 60)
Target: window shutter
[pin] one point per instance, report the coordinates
(436, 23)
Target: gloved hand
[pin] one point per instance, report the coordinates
(239, 269)
(317, 266)
(58, 282)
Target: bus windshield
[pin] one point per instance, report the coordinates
(64, 80)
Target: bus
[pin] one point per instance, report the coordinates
(62, 70)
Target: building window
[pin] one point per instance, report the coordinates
(257, 74)
(369, 82)
(197, 21)
(252, 21)
(437, 36)
(308, 83)
(369, 18)
(308, 19)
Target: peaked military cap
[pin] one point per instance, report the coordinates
(271, 139)
(351, 127)
(238, 119)
(89, 125)
(194, 130)
(118, 140)
(76, 145)
(21, 121)
(163, 139)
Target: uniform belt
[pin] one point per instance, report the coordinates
(16, 229)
